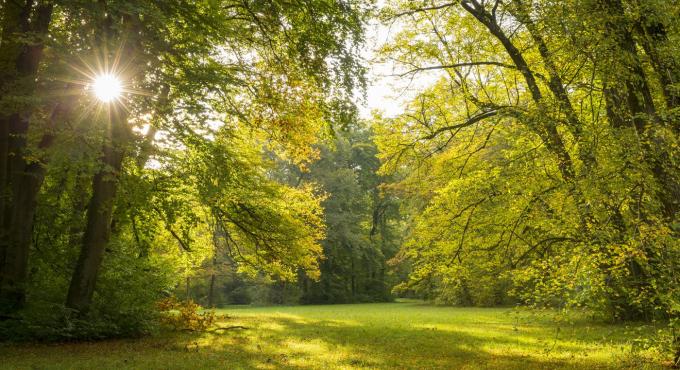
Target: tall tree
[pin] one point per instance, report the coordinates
(220, 86)
(548, 116)
(24, 29)
(187, 68)
(360, 222)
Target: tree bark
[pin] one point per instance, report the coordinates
(638, 106)
(18, 187)
(25, 189)
(15, 17)
(99, 212)
(653, 38)
(211, 292)
(105, 182)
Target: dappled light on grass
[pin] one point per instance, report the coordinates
(415, 336)
(405, 336)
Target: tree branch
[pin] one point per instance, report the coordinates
(426, 9)
(470, 121)
(457, 65)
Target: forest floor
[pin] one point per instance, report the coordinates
(406, 335)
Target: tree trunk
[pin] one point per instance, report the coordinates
(25, 188)
(18, 183)
(100, 208)
(555, 83)
(653, 38)
(187, 292)
(211, 291)
(638, 105)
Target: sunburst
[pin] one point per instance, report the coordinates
(107, 87)
(107, 79)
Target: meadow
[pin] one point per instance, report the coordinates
(404, 335)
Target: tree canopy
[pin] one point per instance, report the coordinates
(101, 193)
(543, 160)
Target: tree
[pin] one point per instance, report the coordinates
(191, 71)
(24, 28)
(541, 159)
(361, 222)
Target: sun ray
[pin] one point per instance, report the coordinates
(103, 80)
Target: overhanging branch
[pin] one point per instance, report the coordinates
(456, 65)
(425, 9)
(470, 121)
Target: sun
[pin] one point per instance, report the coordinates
(107, 87)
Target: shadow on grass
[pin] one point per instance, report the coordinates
(296, 342)
(387, 340)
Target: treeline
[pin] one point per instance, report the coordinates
(105, 206)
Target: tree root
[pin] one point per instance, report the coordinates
(225, 328)
(228, 328)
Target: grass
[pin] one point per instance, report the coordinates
(406, 335)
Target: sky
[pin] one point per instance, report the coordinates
(386, 92)
(380, 94)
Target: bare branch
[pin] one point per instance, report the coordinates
(426, 9)
(457, 65)
(470, 121)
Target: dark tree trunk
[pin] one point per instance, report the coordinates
(635, 103)
(15, 17)
(105, 182)
(629, 103)
(99, 212)
(633, 95)
(188, 287)
(211, 291)
(555, 83)
(653, 38)
(19, 180)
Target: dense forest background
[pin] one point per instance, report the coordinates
(539, 165)
(363, 233)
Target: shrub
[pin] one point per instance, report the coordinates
(185, 315)
(54, 322)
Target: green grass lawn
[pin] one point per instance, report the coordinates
(390, 335)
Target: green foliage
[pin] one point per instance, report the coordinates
(362, 224)
(124, 304)
(362, 228)
(56, 323)
(540, 166)
(213, 90)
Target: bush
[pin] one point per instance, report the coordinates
(185, 315)
(52, 322)
(124, 303)
(240, 295)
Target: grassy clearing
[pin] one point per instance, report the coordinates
(392, 335)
